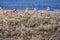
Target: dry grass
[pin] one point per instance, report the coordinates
(31, 27)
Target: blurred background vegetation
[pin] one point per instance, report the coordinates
(31, 27)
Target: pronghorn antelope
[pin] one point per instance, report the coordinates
(30, 12)
(26, 11)
(21, 14)
(9, 12)
(43, 11)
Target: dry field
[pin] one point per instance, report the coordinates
(30, 27)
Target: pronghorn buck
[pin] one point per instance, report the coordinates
(44, 11)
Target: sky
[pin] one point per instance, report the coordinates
(22, 4)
